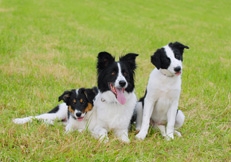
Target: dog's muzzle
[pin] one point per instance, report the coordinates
(177, 69)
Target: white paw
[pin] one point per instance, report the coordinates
(177, 133)
(68, 129)
(169, 137)
(104, 139)
(125, 139)
(80, 130)
(140, 136)
(22, 120)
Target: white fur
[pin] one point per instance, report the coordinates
(49, 118)
(111, 115)
(107, 114)
(120, 77)
(161, 101)
(46, 117)
(75, 124)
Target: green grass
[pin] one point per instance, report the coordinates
(47, 47)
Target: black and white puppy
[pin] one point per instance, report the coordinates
(160, 102)
(116, 100)
(76, 110)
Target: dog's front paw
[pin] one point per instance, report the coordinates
(169, 137)
(104, 139)
(177, 133)
(125, 139)
(140, 136)
(68, 129)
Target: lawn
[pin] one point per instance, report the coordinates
(47, 47)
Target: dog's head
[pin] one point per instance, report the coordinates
(169, 58)
(116, 76)
(79, 101)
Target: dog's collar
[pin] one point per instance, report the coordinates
(112, 102)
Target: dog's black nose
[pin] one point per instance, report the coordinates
(78, 114)
(122, 83)
(177, 69)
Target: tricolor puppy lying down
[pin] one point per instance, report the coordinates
(75, 111)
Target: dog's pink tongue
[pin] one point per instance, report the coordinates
(80, 119)
(120, 96)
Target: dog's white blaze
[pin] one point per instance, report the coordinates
(77, 91)
(174, 62)
(120, 77)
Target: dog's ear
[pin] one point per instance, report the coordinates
(130, 58)
(65, 96)
(155, 58)
(91, 93)
(178, 46)
(104, 60)
(95, 90)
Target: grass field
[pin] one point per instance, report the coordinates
(47, 47)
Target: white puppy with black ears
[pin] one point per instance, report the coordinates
(116, 100)
(160, 102)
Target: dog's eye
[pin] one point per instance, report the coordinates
(81, 101)
(113, 73)
(125, 73)
(177, 55)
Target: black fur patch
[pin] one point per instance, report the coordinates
(79, 101)
(54, 110)
(160, 59)
(108, 70)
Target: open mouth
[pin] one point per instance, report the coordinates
(80, 118)
(178, 73)
(119, 93)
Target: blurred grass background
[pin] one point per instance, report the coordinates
(47, 47)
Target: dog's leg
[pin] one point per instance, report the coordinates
(73, 124)
(179, 122)
(162, 129)
(100, 133)
(139, 111)
(70, 125)
(171, 115)
(23, 120)
(122, 135)
(59, 113)
(147, 112)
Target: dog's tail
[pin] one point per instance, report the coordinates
(179, 119)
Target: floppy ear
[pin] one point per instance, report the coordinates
(104, 60)
(155, 59)
(95, 90)
(90, 94)
(179, 46)
(130, 59)
(65, 96)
